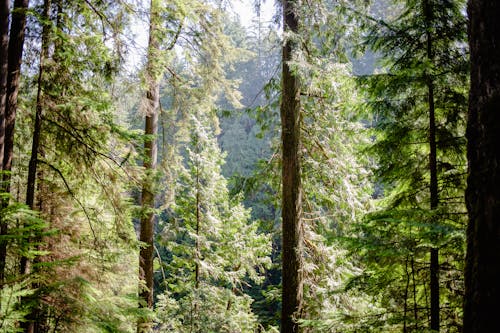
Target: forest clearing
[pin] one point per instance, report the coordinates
(249, 166)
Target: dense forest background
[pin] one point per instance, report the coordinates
(304, 173)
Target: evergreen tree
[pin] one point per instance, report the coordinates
(418, 103)
(213, 249)
(153, 74)
(291, 208)
(482, 196)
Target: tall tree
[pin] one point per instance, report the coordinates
(4, 46)
(32, 325)
(16, 45)
(482, 273)
(291, 179)
(433, 180)
(418, 100)
(8, 115)
(152, 105)
(4, 63)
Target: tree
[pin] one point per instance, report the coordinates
(418, 104)
(291, 209)
(16, 45)
(482, 270)
(151, 109)
(213, 249)
(4, 63)
(8, 116)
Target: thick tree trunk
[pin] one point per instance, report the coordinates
(482, 271)
(291, 182)
(14, 58)
(150, 157)
(4, 46)
(16, 44)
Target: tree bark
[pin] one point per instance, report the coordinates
(4, 63)
(16, 44)
(14, 58)
(291, 182)
(150, 159)
(433, 186)
(33, 324)
(482, 270)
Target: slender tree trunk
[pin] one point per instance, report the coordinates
(482, 270)
(407, 288)
(197, 249)
(291, 183)
(33, 323)
(434, 199)
(150, 158)
(4, 63)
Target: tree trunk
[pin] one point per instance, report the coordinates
(33, 323)
(434, 198)
(14, 58)
(4, 46)
(16, 44)
(291, 183)
(4, 63)
(482, 270)
(150, 157)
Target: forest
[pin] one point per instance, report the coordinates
(249, 166)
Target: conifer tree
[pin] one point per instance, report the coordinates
(418, 103)
(152, 77)
(292, 244)
(483, 197)
(8, 115)
(213, 248)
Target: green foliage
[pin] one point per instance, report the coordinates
(213, 248)
(417, 49)
(23, 225)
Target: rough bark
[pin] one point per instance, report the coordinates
(14, 59)
(4, 46)
(482, 272)
(291, 183)
(150, 158)
(16, 44)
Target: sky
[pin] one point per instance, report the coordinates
(244, 9)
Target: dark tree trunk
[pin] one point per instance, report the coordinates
(291, 182)
(482, 270)
(16, 44)
(434, 198)
(4, 63)
(4, 46)
(14, 58)
(150, 157)
(33, 324)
